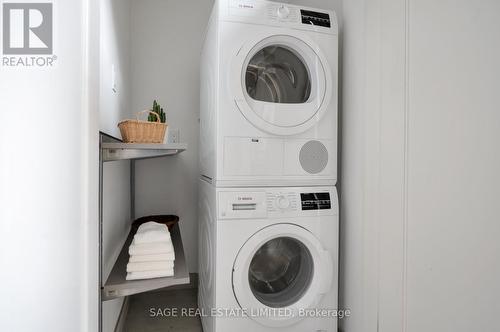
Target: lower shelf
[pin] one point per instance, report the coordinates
(116, 285)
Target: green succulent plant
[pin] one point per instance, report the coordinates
(158, 110)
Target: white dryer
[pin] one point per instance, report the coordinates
(268, 110)
(268, 259)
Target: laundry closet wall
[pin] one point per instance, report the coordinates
(114, 106)
(420, 161)
(166, 41)
(48, 181)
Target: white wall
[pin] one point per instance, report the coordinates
(115, 51)
(90, 171)
(419, 172)
(166, 43)
(114, 106)
(359, 168)
(453, 162)
(44, 141)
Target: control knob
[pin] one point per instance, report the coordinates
(282, 202)
(283, 11)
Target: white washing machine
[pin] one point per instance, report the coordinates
(268, 110)
(268, 259)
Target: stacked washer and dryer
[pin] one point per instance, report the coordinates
(268, 229)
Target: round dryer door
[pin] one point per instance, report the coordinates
(279, 271)
(282, 83)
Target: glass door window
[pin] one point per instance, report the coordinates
(282, 266)
(281, 84)
(275, 74)
(280, 272)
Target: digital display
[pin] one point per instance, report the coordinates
(315, 201)
(315, 18)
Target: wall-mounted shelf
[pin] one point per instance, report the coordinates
(112, 149)
(127, 151)
(117, 286)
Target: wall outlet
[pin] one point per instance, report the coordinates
(174, 135)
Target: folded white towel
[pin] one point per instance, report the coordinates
(150, 274)
(151, 232)
(150, 266)
(166, 241)
(152, 258)
(151, 248)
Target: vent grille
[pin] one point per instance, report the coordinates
(313, 157)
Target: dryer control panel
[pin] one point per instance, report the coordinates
(315, 18)
(280, 14)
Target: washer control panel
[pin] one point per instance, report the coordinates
(295, 202)
(285, 202)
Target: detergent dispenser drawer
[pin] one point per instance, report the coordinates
(242, 205)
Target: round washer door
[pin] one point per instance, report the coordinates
(282, 84)
(280, 270)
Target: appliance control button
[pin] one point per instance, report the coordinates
(282, 202)
(283, 11)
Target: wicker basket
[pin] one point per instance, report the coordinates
(138, 131)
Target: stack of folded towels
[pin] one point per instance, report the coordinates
(151, 253)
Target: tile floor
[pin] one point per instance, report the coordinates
(147, 312)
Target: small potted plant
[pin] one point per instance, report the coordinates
(158, 110)
(150, 131)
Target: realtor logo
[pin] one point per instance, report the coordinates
(28, 34)
(27, 28)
